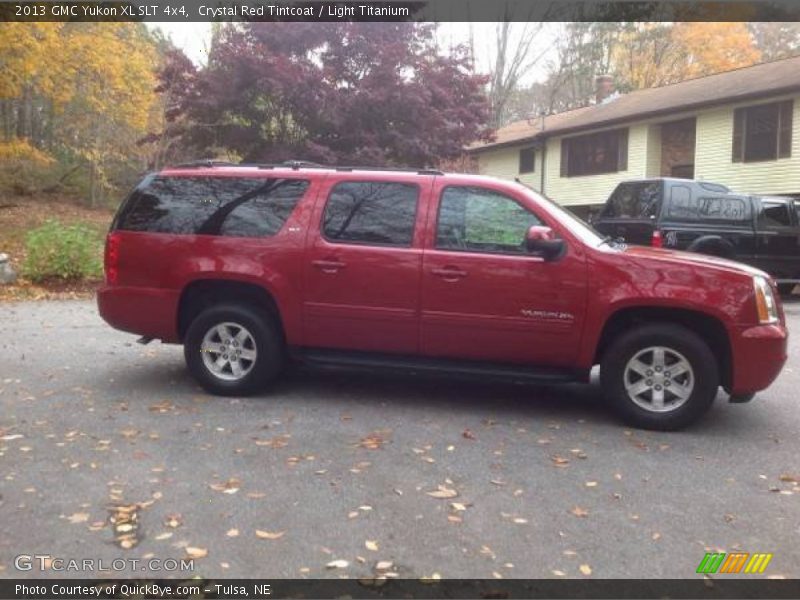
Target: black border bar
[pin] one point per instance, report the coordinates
(79, 589)
(400, 10)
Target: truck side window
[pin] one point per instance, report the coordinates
(634, 200)
(371, 212)
(775, 214)
(481, 220)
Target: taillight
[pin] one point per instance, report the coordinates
(112, 257)
(657, 241)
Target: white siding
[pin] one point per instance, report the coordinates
(593, 189)
(713, 153)
(504, 163)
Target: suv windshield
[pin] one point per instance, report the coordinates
(634, 200)
(579, 227)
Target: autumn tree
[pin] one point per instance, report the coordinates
(776, 40)
(715, 47)
(365, 93)
(81, 93)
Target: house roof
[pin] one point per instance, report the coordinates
(765, 79)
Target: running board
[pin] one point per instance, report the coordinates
(438, 366)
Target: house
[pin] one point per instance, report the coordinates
(740, 128)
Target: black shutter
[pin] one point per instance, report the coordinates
(785, 129)
(564, 157)
(738, 134)
(622, 157)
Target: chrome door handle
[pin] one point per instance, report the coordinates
(449, 273)
(328, 266)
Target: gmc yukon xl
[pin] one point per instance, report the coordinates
(250, 266)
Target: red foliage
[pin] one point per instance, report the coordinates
(359, 93)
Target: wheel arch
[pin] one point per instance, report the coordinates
(709, 327)
(200, 294)
(714, 245)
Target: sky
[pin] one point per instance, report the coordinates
(193, 38)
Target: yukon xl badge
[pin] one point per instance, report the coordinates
(548, 315)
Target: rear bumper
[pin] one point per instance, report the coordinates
(759, 353)
(148, 312)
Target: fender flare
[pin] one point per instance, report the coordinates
(713, 245)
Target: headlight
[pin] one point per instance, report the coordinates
(765, 301)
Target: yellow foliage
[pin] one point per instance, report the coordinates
(20, 151)
(654, 54)
(713, 47)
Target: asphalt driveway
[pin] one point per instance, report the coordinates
(109, 450)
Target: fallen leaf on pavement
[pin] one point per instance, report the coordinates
(269, 535)
(193, 552)
(586, 569)
(579, 512)
(467, 433)
(80, 517)
(337, 564)
(559, 461)
(229, 487)
(371, 545)
(443, 492)
(173, 521)
(232, 532)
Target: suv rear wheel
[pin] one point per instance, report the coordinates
(660, 376)
(233, 350)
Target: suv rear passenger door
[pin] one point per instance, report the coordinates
(362, 264)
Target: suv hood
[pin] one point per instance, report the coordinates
(679, 257)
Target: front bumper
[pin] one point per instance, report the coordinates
(149, 312)
(758, 355)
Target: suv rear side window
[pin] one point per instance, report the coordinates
(480, 220)
(634, 201)
(227, 206)
(371, 212)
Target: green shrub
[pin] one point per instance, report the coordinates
(68, 252)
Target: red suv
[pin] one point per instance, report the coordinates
(249, 266)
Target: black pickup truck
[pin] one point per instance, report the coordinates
(706, 217)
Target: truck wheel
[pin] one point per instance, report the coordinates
(233, 350)
(659, 376)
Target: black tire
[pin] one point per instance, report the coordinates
(677, 340)
(267, 342)
(786, 289)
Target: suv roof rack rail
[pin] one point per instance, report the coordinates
(205, 162)
(302, 164)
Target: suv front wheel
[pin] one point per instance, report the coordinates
(232, 350)
(660, 376)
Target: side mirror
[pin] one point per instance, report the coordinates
(542, 240)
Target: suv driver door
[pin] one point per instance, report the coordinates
(484, 296)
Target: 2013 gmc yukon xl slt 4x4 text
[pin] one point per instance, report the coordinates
(250, 266)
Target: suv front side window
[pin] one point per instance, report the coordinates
(375, 213)
(476, 219)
